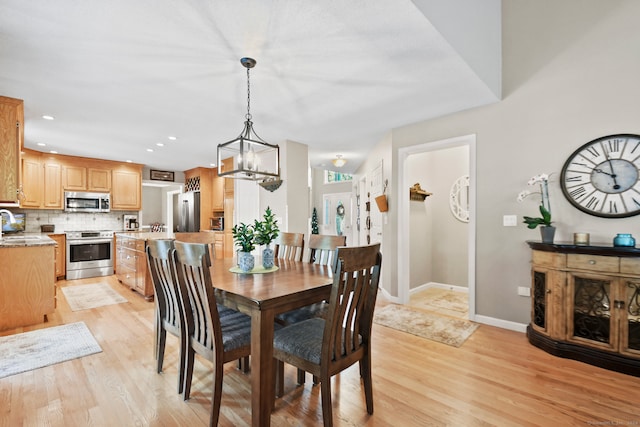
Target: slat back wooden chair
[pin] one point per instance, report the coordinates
(218, 334)
(326, 347)
(322, 247)
(168, 305)
(289, 246)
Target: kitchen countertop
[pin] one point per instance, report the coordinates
(147, 235)
(26, 239)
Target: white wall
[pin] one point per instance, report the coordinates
(438, 241)
(566, 82)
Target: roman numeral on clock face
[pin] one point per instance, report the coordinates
(577, 193)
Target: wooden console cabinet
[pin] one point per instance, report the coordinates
(586, 304)
(11, 143)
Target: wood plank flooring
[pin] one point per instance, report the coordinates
(495, 379)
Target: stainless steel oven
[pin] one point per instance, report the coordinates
(89, 254)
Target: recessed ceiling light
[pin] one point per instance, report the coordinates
(47, 117)
(129, 161)
(41, 144)
(53, 152)
(172, 138)
(150, 150)
(213, 165)
(160, 144)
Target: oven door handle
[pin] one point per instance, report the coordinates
(88, 241)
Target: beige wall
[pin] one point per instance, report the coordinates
(570, 75)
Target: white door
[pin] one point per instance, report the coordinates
(337, 214)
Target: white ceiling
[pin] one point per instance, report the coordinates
(121, 76)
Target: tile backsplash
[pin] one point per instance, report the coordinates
(73, 221)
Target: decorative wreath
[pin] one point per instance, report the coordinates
(340, 210)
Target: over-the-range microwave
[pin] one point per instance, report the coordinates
(77, 201)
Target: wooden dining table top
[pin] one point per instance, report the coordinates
(272, 289)
(263, 295)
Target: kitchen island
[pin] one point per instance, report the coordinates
(131, 260)
(27, 279)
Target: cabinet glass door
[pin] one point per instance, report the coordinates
(589, 319)
(631, 317)
(539, 315)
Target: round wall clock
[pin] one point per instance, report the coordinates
(459, 198)
(601, 178)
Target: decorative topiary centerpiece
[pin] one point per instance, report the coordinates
(266, 232)
(244, 236)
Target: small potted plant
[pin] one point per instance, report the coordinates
(244, 235)
(547, 230)
(265, 232)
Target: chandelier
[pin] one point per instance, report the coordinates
(339, 161)
(253, 158)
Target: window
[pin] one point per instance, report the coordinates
(331, 176)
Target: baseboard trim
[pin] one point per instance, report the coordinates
(439, 286)
(500, 323)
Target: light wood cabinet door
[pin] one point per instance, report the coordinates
(74, 177)
(99, 180)
(126, 191)
(217, 198)
(60, 254)
(11, 143)
(32, 180)
(52, 198)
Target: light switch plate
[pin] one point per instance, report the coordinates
(524, 291)
(510, 220)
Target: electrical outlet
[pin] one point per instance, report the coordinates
(510, 220)
(524, 291)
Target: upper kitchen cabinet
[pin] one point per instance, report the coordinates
(41, 181)
(126, 187)
(77, 175)
(201, 179)
(11, 143)
(218, 192)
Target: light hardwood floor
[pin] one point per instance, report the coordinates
(495, 379)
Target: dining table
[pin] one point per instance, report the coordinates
(262, 295)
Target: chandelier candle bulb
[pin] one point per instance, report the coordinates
(581, 239)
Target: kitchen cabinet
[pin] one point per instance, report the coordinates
(11, 143)
(201, 179)
(27, 285)
(74, 177)
(218, 245)
(60, 254)
(229, 186)
(586, 304)
(41, 178)
(46, 176)
(126, 181)
(131, 264)
(217, 195)
(78, 176)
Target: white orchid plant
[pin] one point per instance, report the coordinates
(545, 207)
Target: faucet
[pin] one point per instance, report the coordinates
(12, 219)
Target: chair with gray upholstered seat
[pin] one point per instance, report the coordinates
(218, 334)
(325, 347)
(168, 305)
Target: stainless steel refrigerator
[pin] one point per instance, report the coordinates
(189, 211)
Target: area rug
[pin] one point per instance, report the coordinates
(446, 330)
(83, 297)
(44, 347)
(443, 301)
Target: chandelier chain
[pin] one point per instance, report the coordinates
(248, 116)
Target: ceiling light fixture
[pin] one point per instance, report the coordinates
(253, 158)
(339, 161)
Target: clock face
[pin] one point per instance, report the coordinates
(601, 178)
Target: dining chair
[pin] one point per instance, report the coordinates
(289, 246)
(217, 333)
(322, 248)
(168, 306)
(325, 347)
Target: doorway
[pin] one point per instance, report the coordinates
(404, 252)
